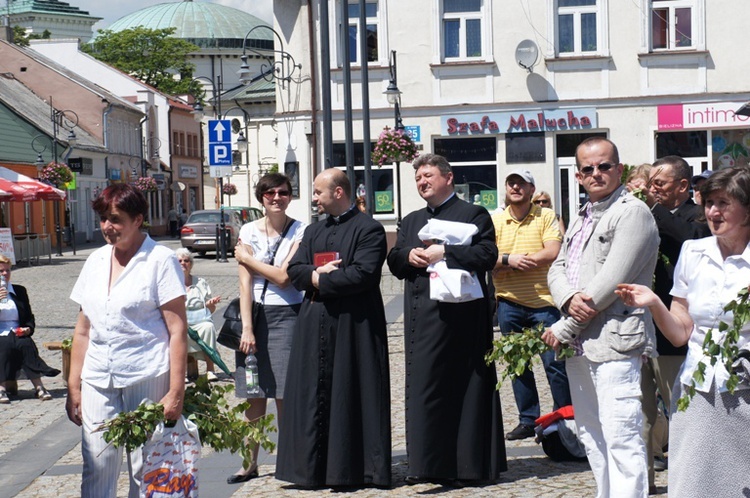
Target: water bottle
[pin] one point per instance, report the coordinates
(4, 285)
(251, 375)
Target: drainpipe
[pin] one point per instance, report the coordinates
(110, 108)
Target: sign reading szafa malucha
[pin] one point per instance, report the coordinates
(518, 122)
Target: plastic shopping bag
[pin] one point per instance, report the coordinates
(170, 462)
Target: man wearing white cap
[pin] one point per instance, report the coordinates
(528, 240)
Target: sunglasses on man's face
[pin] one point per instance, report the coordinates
(603, 167)
(542, 201)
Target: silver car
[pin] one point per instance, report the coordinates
(198, 234)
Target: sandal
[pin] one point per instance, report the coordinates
(4, 399)
(43, 394)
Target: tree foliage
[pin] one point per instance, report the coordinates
(21, 37)
(150, 55)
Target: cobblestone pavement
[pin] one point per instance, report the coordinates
(40, 448)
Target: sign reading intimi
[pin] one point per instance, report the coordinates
(519, 122)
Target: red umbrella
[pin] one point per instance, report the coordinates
(16, 192)
(24, 188)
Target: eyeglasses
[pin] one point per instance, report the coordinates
(603, 167)
(542, 201)
(270, 194)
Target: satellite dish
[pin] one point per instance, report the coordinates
(178, 186)
(236, 126)
(527, 54)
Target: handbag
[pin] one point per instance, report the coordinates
(170, 461)
(231, 332)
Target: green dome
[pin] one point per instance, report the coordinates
(207, 25)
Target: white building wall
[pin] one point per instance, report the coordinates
(625, 82)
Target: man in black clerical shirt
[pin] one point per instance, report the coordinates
(453, 420)
(336, 428)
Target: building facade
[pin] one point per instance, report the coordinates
(497, 86)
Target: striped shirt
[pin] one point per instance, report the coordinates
(527, 236)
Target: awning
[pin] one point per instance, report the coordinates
(25, 189)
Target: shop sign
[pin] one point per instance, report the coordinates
(188, 171)
(701, 116)
(519, 122)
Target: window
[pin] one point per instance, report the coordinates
(382, 178)
(672, 24)
(370, 31)
(474, 163)
(462, 29)
(524, 148)
(578, 27)
(682, 143)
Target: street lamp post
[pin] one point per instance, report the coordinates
(393, 94)
(67, 120)
(198, 113)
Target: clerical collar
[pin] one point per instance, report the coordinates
(345, 215)
(435, 209)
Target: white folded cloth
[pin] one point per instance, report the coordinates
(451, 285)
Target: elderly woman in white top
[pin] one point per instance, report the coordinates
(271, 339)
(707, 442)
(130, 340)
(200, 306)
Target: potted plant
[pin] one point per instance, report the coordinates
(394, 145)
(229, 189)
(146, 184)
(56, 174)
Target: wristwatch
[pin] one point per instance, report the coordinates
(506, 259)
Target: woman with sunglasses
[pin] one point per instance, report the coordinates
(543, 199)
(263, 253)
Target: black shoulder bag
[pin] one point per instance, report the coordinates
(231, 332)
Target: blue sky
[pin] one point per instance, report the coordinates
(112, 10)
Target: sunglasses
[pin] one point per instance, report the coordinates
(270, 194)
(542, 201)
(603, 167)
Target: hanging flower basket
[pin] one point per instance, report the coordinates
(56, 174)
(146, 184)
(229, 189)
(394, 145)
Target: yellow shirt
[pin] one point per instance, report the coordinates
(527, 288)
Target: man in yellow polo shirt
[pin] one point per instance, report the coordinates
(528, 240)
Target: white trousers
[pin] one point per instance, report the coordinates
(102, 462)
(607, 403)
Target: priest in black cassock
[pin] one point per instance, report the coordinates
(336, 428)
(453, 418)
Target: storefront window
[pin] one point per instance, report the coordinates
(730, 148)
(474, 168)
(382, 178)
(682, 143)
(524, 148)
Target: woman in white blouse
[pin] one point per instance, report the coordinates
(263, 278)
(130, 340)
(707, 442)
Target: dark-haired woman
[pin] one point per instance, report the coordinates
(271, 339)
(130, 340)
(707, 451)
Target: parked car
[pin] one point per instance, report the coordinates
(198, 234)
(247, 214)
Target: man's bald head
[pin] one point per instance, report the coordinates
(332, 192)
